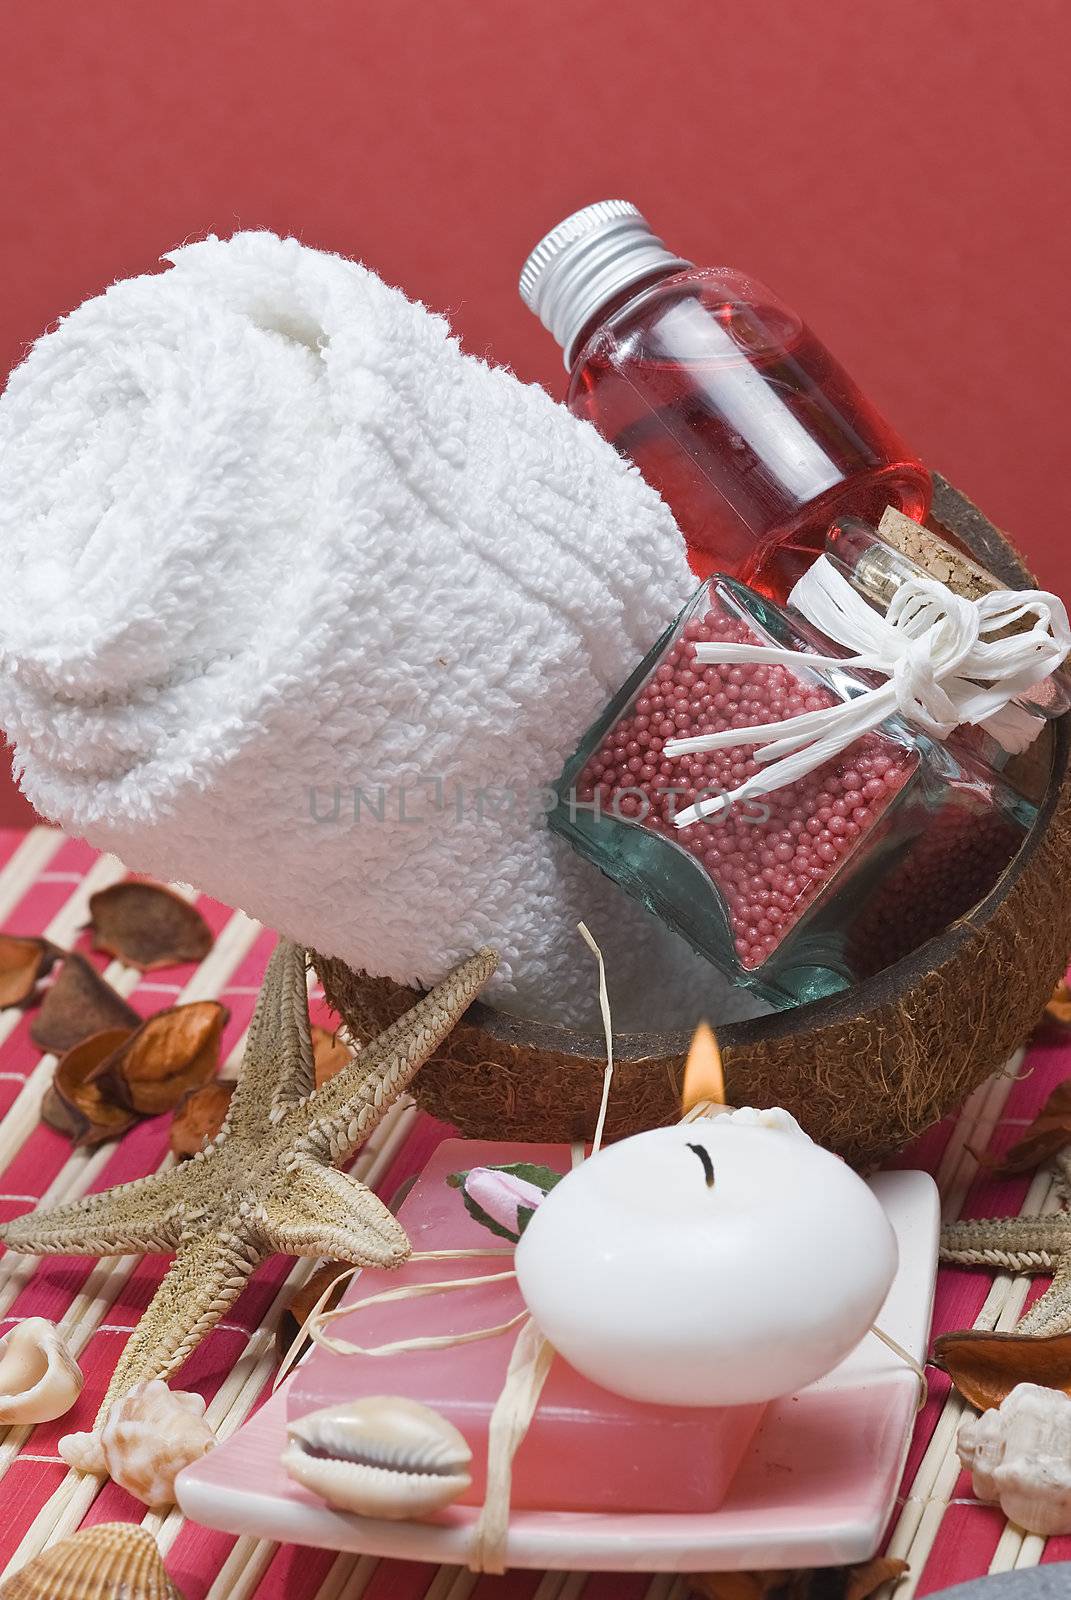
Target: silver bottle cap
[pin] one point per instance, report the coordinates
(586, 261)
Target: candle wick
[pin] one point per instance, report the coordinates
(708, 1166)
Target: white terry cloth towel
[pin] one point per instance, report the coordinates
(270, 537)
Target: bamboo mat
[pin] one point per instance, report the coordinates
(45, 883)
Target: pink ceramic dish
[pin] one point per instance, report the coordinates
(816, 1485)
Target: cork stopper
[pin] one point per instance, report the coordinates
(936, 556)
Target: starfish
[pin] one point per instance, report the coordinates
(267, 1183)
(1033, 1244)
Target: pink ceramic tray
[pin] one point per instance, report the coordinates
(815, 1489)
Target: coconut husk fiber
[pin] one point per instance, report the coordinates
(864, 1071)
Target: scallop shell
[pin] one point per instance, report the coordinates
(113, 1561)
(1019, 1454)
(382, 1456)
(146, 1439)
(39, 1378)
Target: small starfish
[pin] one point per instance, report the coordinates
(267, 1182)
(1033, 1244)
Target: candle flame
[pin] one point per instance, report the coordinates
(704, 1079)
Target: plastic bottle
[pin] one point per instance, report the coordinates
(753, 434)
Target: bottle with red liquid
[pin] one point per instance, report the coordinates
(756, 438)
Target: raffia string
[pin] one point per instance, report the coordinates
(318, 1317)
(413, 1291)
(529, 1363)
(514, 1409)
(510, 1420)
(946, 660)
(908, 1359)
(608, 1031)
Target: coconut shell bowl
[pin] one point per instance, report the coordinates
(865, 1070)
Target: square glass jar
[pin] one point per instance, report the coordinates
(803, 891)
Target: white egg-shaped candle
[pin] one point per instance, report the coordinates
(723, 1261)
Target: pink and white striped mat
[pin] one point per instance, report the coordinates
(45, 883)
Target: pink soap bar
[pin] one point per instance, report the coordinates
(587, 1449)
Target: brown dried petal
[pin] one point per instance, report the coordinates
(819, 1583)
(985, 1367)
(198, 1117)
(735, 1585)
(1059, 1007)
(78, 1106)
(870, 1575)
(79, 1003)
(23, 962)
(301, 1303)
(1046, 1136)
(329, 1054)
(172, 1052)
(148, 926)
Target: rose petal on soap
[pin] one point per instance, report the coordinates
(329, 1054)
(77, 1106)
(985, 1367)
(199, 1116)
(147, 925)
(513, 1191)
(502, 1195)
(78, 1004)
(23, 963)
(172, 1052)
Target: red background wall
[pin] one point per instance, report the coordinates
(898, 171)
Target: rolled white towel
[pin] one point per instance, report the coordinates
(296, 595)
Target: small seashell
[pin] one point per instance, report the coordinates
(113, 1561)
(381, 1456)
(146, 1439)
(39, 1378)
(1019, 1454)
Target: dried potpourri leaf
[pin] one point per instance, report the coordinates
(171, 1052)
(148, 926)
(329, 1054)
(75, 1104)
(868, 1576)
(737, 1585)
(985, 1367)
(302, 1301)
(819, 1583)
(1046, 1136)
(198, 1117)
(79, 1003)
(1059, 1007)
(23, 963)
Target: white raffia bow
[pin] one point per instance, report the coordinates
(947, 661)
